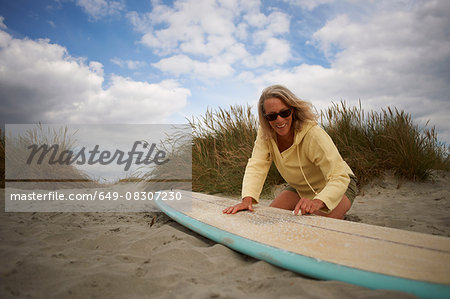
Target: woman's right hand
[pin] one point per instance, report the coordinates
(246, 204)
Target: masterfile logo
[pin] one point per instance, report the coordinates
(94, 156)
(95, 167)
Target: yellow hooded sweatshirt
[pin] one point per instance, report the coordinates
(312, 165)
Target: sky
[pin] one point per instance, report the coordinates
(152, 62)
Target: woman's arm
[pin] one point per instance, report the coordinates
(257, 168)
(255, 175)
(322, 151)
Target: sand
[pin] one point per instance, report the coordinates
(416, 206)
(135, 255)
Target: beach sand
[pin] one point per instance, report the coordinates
(136, 255)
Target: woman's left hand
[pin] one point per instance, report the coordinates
(308, 206)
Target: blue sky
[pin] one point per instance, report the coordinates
(123, 61)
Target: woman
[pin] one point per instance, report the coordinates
(319, 180)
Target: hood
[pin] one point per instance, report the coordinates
(299, 138)
(308, 125)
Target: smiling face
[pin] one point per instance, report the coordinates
(282, 126)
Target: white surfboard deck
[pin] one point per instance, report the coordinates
(368, 255)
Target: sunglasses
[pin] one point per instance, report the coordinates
(274, 116)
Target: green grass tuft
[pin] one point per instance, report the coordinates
(371, 143)
(18, 153)
(389, 140)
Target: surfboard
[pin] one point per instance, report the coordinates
(329, 249)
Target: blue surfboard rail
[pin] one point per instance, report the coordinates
(306, 265)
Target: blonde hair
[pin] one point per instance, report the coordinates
(302, 111)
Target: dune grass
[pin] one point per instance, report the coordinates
(371, 143)
(375, 142)
(18, 153)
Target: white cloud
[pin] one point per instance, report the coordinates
(276, 51)
(213, 37)
(195, 27)
(96, 67)
(97, 9)
(277, 23)
(241, 32)
(232, 54)
(399, 53)
(2, 23)
(256, 19)
(394, 57)
(131, 101)
(130, 64)
(181, 64)
(309, 4)
(40, 81)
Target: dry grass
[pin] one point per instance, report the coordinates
(371, 144)
(223, 139)
(375, 142)
(18, 153)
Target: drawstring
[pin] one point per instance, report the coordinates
(304, 176)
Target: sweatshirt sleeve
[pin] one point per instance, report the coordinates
(257, 168)
(322, 151)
